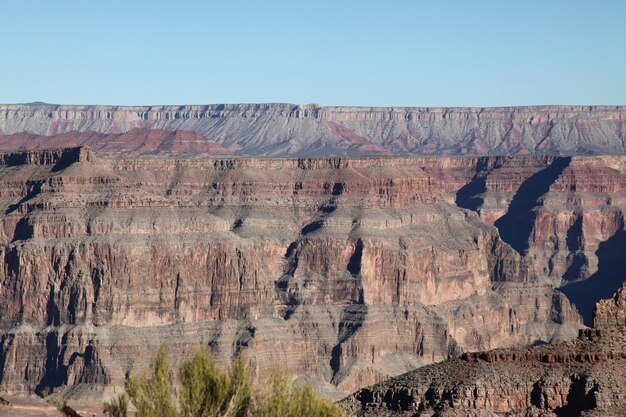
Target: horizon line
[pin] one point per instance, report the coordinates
(314, 105)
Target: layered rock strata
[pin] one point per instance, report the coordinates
(585, 377)
(286, 129)
(565, 215)
(136, 142)
(345, 271)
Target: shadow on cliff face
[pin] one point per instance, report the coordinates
(578, 399)
(34, 188)
(577, 260)
(55, 371)
(470, 195)
(516, 225)
(354, 264)
(67, 158)
(603, 284)
(351, 321)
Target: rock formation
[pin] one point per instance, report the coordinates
(585, 377)
(564, 214)
(136, 142)
(345, 271)
(286, 129)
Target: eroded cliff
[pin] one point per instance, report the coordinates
(286, 129)
(564, 214)
(584, 377)
(345, 271)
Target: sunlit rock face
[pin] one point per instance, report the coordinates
(565, 215)
(344, 271)
(287, 129)
(583, 377)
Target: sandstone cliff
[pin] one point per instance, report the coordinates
(286, 129)
(564, 214)
(585, 377)
(343, 270)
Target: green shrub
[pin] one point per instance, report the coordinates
(117, 407)
(205, 390)
(283, 399)
(151, 392)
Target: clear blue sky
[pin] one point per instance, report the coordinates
(385, 53)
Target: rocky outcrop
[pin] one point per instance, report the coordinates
(286, 129)
(345, 271)
(585, 377)
(611, 313)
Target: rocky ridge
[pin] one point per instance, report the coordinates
(346, 271)
(287, 129)
(584, 377)
(135, 142)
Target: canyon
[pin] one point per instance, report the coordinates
(346, 271)
(346, 245)
(311, 130)
(584, 377)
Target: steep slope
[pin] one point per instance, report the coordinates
(565, 214)
(286, 129)
(585, 377)
(343, 270)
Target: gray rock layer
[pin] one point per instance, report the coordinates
(286, 129)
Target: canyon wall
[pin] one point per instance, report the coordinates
(286, 129)
(565, 215)
(344, 271)
(585, 377)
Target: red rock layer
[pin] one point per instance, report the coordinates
(343, 270)
(136, 142)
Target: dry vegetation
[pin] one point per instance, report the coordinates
(206, 390)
